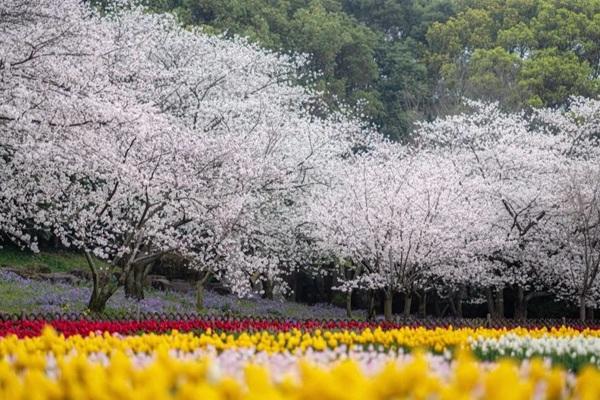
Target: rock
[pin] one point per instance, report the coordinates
(158, 282)
(181, 285)
(39, 268)
(218, 288)
(54, 277)
(59, 277)
(82, 274)
(23, 273)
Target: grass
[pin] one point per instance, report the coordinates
(12, 298)
(34, 295)
(56, 261)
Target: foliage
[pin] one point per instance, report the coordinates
(353, 57)
(535, 52)
(401, 61)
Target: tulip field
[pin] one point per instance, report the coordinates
(272, 359)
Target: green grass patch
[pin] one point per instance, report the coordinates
(13, 298)
(56, 261)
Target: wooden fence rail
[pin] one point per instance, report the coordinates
(428, 322)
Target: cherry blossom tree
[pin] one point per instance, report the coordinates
(577, 240)
(575, 235)
(130, 137)
(82, 157)
(514, 168)
(382, 212)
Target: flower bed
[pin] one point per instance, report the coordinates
(246, 360)
(82, 327)
(68, 327)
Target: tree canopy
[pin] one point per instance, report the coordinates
(398, 61)
(126, 137)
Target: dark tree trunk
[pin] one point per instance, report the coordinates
(267, 289)
(104, 285)
(201, 280)
(134, 283)
(294, 285)
(459, 307)
(499, 295)
(490, 302)
(455, 303)
(520, 304)
(387, 304)
(437, 309)
(495, 302)
(141, 280)
(199, 296)
(582, 310)
(100, 296)
(349, 304)
(371, 306)
(453, 308)
(407, 304)
(423, 304)
(590, 313)
(130, 285)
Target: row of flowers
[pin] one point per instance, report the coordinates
(330, 374)
(570, 352)
(565, 346)
(374, 363)
(30, 328)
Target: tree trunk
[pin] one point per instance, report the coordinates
(452, 305)
(200, 296)
(459, 306)
(371, 306)
(267, 289)
(520, 304)
(490, 302)
(407, 304)
(134, 283)
(590, 314)
(98, 301)
(294, 285)
(582, 313)
(437, 309)
(349, 304)
(387, 304)
(423, 305)
(320, 284)
(202, 278)
(499, 294)
(141, 279)
(104, 285)
(100, 296)
(495, 302)
(455, 303)
(130, 285)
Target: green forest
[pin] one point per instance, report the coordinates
(399, 61)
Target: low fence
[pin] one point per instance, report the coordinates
(428, 322)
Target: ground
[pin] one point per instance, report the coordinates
(20, 294)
